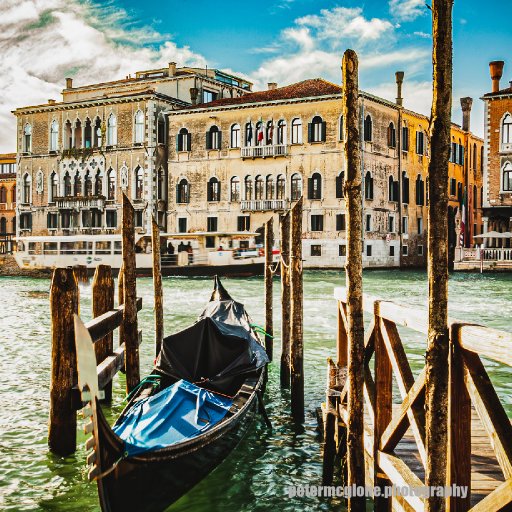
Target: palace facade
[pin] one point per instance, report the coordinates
(7, 194)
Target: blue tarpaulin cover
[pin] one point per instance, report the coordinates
(181, 411)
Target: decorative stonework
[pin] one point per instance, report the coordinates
(39, 181)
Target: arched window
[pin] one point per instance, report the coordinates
(340, 182)
(475, 197)
(235, 189)
(368, 128)
(14, 224)
(391, 136)
(27, 189)
(213, 190)
(248, 188)
(27, 138)
(420, 143)
(77, 140)
(54, 136)
(235, 136)
(506, 130)
(13, 195)
(281, 132)
(3, 194)
(139, 182)
(183, 191)
(474, 166)
(259, 133)
(183, 140)
(161, 130)
(161, 192)
(112, 130)
(269, 133)
(315, 186)
(420, 191)
(54, 187)
(461, 153)
(111, 184)
(213, 138)
(341, 128)
(98, 184)
(270, 187)
(405, 188)
(368, 185)
(405, 137)
(393, 189)
(316, 130)
(68, 135)
(88, 134)
(3, 225)
(258, 187)
(296, 188)
(88, 184)
(139, 127)
(97, 132)
(68, 190)
(77, 185)
(280, 187)
(296, 131)
(507, 177)
(249, 136)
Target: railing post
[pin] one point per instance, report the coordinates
(103, 301)
(459, 420)
(383, 406)
(285, 300)
(157, 286)
(63, 305)
(269, 320)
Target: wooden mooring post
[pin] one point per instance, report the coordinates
(296, 314)
(269, 278)
(157, 287)
(285, 300)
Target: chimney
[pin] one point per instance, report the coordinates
(51, 102)
(496, 69)
(194, 93)
(69, 83)
(466, 104)
(399, 81)
(172, 69)
(272, 86)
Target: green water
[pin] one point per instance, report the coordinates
(255, 476)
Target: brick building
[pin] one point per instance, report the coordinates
(7, 200)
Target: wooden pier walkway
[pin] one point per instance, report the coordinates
(480, 433)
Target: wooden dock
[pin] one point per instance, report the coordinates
(479, 450)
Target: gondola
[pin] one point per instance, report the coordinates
(185, 418)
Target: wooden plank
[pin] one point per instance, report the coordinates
(499, 499)
(487, 342)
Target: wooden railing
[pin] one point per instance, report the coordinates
(387, 423)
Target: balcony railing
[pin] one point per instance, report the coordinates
(77, 202)
(264, 151)
(264, 205)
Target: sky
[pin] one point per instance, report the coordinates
(283, 41)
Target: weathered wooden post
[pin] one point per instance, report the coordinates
(103, 301)
(81, 273)
(436, 394)
(130, 331)
(157, 286)
(63, 305)
(268, 278)
(296, 314)
(285, 300)
(354, 273)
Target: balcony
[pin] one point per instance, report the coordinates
(264, 205)
(264, 151)
(79, 202)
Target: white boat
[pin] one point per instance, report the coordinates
(200, 253)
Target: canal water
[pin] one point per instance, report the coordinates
(256, 475)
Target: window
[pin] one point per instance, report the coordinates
(13, 196)
(183, 191)
(54, 136)
(340, 127)
(26, 221)
(316, 130)
(391, 136)
(27, 138)
(96, 218)
(317, 222)
(296, 131)
(209, 96)
(87, 134)
(280, 187)
(209, 242)
(405, 138)
(77, 190)
(88, 184)
(111, 218)
(391, 250)
(244, 223)
(248, 188)
(235, 189)
(139, 127)
(258, 187)
(213, 138)
(235, 136)
(315, 186)
(27, 189)
(139, 218)
(340, 179)
(420, 191)
(296, 188)
(3, 195)
(405, 188)
(405, 225)
(182, 225)
(248, 134)
(368, 250)
(65, 219)
(420, 225)
(54, 187)
(270, 187)
(139, 183)
(342, 250)
(269, 133)
(453, 187)
(281, 132)
(367, 128)
(368, 185)
(77, 139)
(111, 130)
(68, 190)
(111, 184)
(405, 250)
(68, 136)
(507, 177)
(259, 133)
(316, 250)
(461, 153)
(183, 140)
(213, 190)
(459, 192)
(391, 223)
(340, 222)
(161, 130)
(420, 142)
(161, 192)
(453, 151)
(97, 132)
(474, 163)
(211, 224)
(98, 184)
(475, 197)
(368, 222)
(393, 189)
(420, 250)
(506, 130)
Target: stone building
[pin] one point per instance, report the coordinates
(235, 162)
(7, 197)
(76, 157)
(498, 154)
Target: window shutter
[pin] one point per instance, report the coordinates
(319, 193)
(323, 131)
(209, 191)
(189, 141)
(310, 188)
(239, 224)
(395, 190)
(339, 187)
(178, 193)
(320, 223)
(208, 140)
(310, 132)
(178, 142)
(29, 221)
(219, 138)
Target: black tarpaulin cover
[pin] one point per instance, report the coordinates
(217, 348)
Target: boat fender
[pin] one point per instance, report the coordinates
(263, 411)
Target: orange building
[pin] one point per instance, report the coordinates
(7, 200)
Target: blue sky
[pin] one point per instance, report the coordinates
(43, 41)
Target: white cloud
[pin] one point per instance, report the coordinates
(423, 35)
(407, 10)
